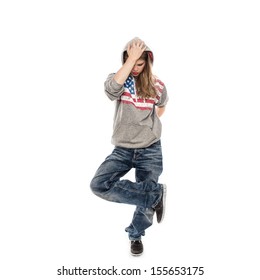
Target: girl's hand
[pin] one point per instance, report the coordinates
(135, 49)
(160, 111)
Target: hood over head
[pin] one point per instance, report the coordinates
(147, 49)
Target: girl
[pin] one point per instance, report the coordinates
(140, 100)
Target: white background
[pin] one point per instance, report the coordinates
(56, 124)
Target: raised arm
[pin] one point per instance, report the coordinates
(134, 52)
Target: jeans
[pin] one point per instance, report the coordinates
(145, 193)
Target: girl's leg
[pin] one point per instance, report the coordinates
(148, 169)
(107, 184)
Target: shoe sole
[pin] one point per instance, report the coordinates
(164, 202)
(136, 255)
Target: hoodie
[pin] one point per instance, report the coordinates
(136, 124)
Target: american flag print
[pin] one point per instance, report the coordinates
(129, 84)
(130, 95)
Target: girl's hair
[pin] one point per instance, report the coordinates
(145, 80)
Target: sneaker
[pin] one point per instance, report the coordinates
(160, 207)
(136, 247)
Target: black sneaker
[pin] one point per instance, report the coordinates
(136, 247)
(160, 207)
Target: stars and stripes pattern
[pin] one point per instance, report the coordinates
(131, 97)
(129, 84)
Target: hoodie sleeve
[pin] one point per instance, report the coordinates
(112, 89)
(163, 98)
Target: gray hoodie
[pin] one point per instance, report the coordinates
(136, 124)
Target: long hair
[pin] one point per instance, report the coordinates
(145, 80)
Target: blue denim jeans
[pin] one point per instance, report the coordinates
(145, 193)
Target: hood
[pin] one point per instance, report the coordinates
(147, 49)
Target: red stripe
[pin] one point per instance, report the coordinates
(141, 100)
(159, 89)
(160, 82)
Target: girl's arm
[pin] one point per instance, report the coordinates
(160, 111)
(134, 52)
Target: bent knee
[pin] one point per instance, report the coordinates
(93, 185)
(97, 187)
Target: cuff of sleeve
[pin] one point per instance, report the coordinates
(115, 85)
